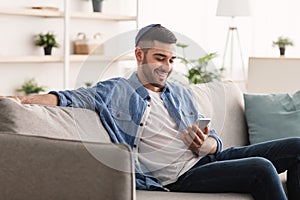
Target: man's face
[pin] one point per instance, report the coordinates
(156, 64)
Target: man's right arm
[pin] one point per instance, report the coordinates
(42, 99)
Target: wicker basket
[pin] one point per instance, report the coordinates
(85, 46)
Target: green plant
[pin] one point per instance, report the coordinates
(198, 72)
(46, 40)
(282, 42)
(88, 84)
(31, 86)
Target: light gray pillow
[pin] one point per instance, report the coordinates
(51, 122)
(272, 116)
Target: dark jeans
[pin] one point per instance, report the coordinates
(251, 169)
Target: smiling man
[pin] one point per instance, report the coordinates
(156, 118)
(155, 58)
(161, 148)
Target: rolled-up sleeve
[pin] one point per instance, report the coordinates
(82, 98)
(216, 137)
(62, 100)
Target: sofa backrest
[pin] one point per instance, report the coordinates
(51, 122)
(221, 101)
(224, 103)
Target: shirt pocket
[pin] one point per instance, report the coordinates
(124, 121)
(189, 116)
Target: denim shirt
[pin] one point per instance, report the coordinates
(121, 104)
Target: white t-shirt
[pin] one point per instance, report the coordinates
(161, 148)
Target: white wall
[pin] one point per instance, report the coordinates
(197, 19)
(194, 18)
(270, 19)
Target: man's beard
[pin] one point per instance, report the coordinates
(150, 78)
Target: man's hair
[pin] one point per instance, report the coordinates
(152, 32)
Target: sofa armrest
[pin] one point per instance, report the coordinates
(42, 168)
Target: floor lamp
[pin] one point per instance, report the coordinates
(232, 57)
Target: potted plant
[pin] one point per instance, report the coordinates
(88, 84)
(198, 72)
(31, 87)
(282, 42)
(97, 5)
(48, 41)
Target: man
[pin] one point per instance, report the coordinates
(156, 118)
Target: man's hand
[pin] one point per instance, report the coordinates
(199, 141)
(42, 99)
(16, 98)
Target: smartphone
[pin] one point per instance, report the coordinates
(202, 122)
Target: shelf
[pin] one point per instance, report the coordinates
(59, 14)
(32, 13)
(82, 58)
(274, 58)
(58, 59)
(30, 59)
(101, 16)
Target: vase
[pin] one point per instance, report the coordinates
(282, 51)
(97, 5)
(48, 50)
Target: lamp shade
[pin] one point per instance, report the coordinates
(233, 8)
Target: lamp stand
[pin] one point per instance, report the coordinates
(233, 58)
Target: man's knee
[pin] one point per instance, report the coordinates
(263, 168)
(293, 144)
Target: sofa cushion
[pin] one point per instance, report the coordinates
(150, 195)
(223, 102)
(51, 121)
(272, 116)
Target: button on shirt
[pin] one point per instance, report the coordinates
(121, 104)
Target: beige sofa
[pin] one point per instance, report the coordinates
(65, 153)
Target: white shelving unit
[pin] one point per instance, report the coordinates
(58, 59)
(67, 16)
(60, 14)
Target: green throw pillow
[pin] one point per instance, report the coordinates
(272, 116)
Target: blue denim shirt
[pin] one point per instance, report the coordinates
(121, 103)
